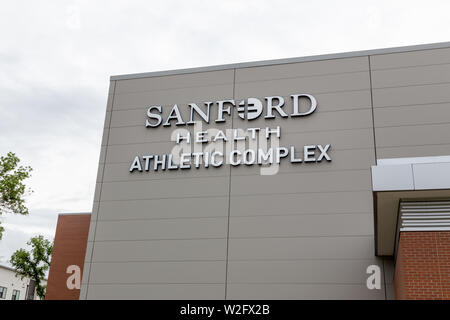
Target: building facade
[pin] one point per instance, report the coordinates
(279, 179)
(14, 288)
(69, 250)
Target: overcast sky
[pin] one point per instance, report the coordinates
(56, 58)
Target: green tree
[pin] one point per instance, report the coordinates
(35, 263)
(12, 188)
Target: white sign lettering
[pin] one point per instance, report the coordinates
(251, 146)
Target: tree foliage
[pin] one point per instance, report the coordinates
(12, 188)
(35, 263)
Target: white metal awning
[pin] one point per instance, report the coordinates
(410, 194)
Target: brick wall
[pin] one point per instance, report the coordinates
(422, 268)
(69, 249)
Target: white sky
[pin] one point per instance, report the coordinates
(56, 58)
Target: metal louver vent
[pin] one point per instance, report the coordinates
(424, 215)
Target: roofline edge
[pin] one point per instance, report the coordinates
(349, 54)
(73, 213)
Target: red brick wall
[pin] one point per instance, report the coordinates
(422, 269)
(69, 249)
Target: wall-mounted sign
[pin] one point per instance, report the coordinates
(215, 147)
(253, 106)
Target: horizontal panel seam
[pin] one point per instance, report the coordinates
(416, 125)
(363, 283)
(246, 195)
(413, 105)
(118, 108)
(143, 108)
(412, 85)
(243, 121)
(224, 238)
(411, 66)
(368, 258)
(414, 145)
(354, 283)
(238, 216)
(221, 84)
(243, 238)
(238, 175)
(362, 72)
(91, 283)
(286, 132)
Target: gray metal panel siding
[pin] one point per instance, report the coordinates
(306, 232)
(98, 188)
(297, 213)
(215, 220)
(411, 101)
(157, 235)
